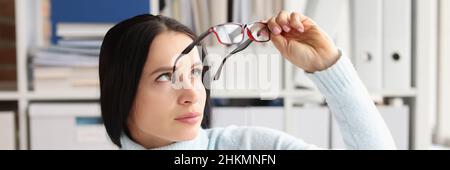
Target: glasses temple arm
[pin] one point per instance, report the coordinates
(238, 49)
(188, 49)
(196, 41)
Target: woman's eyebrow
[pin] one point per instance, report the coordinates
(196, 64)
(169, 68)
(162, 69)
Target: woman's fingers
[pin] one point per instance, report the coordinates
(273, 26)
(283, 20)
(296, 22)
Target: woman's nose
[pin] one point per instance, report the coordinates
(188, 92)
(188, 96)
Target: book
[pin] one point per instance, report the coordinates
(7, 130)
(65, 78)
(80, 43)
(82, 29)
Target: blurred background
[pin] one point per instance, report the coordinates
(401, 49)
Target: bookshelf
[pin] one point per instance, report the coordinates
(8, 95)
(420, 98)
(29, 23)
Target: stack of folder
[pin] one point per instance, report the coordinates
(382, 43)
(71, 64)
(7, 130)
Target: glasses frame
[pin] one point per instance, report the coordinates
(242, 45)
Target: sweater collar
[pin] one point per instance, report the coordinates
(200, 142)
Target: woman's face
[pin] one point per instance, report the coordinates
(161, 113)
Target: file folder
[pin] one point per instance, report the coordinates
(67, 126)
(367, 42)
(319, 11)
(7, 131)
(312, 125)
(269, 117)
(396, 119)
(397, 32)
(443, 123)
(295, 5)
(226, 116)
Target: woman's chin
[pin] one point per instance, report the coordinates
(187, 133)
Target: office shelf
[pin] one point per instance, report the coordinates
(423, 93)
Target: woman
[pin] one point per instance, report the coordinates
(142, 110)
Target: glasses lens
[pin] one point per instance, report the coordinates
(229, 33)
(259, 32)
(186, 65)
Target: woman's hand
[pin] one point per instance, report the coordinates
(301, 41)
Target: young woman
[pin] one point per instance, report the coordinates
(141, 108)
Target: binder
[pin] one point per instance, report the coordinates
(269, 117)
(367, 42)
(443, 123)
(343, 39)
(201, 18)
(295, 5)
(218, 15)
(186, 14)
(397, 33)
(254, 70)
(312, 125)
(67, 126)
(218, 11)
(302, 81)
(7, 131)
(241, 11)
(396, 119)
(267, 72)
(319, 11)
(225, 116)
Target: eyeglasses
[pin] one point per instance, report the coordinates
(229, 34)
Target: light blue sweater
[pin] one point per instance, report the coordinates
(359, 121)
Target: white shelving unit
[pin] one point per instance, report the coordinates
(8, 95)
(423, 94)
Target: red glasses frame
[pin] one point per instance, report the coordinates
(242, 46)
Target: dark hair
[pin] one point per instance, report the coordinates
(122, 58)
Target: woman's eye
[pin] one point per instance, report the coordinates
(197, 72)
(164, 77)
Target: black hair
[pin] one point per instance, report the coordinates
(122, 58)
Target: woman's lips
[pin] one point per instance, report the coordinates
(189, 118)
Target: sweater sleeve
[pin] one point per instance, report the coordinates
(360, 123)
